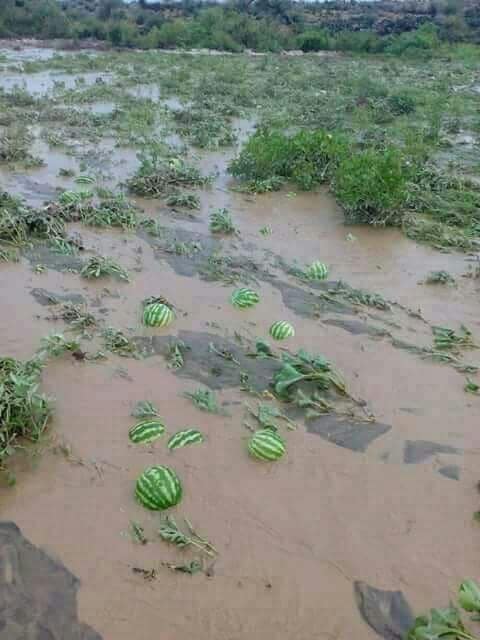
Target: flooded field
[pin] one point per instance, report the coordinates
(368, 518)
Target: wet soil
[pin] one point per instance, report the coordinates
(359, 525)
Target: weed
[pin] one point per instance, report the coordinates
(100, 267)
(372, 186)
(204, 399)
(439, 277)
(24, 411)
(157, 176)
(114, 211)
(144, 409)
(359, 296)
(117, 342)
(175, 355)
(221, 222)
(471, 387)
(183, 200)
(448, 340)
(75, 315)
(138, 533)
(447, 622)
(171, 532)
(56, 345)
(152, 227)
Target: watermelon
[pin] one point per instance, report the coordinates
(317, 271)
(243, 298)
(281, 330)
(266, 444)
(182, 438)
(146, 431)
(157, 315)
(158, 488)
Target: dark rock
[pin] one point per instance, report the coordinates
(386, 612)
(350, 434)
(420, 450)
(43, 254)
(38, 595)
(356, 327)
(451, 471)
(47, 298)
(205, 366)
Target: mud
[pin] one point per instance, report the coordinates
(352, 504)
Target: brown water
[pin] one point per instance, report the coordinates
(293, 537)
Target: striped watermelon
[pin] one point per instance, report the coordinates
(84, 179)
(146, 431)
(266, 444)
(244, 298)
(317, 271)
(158, 488)
(182, 438)
(157, 315)
(281, 330)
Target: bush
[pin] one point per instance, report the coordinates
(372, 186)
(306, 158)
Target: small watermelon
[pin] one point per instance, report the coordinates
(317, 271)
(146, 431)
(281, 330)
(158, 488)
(182, 438)
(157, 315)
(244, 298)
(266, 444)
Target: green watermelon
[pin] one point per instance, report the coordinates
(266, 444)
(182, 438)
(281, 330)
(317, 271)
(158, 488)
(243, 298)
(157, 315)
(146, 431)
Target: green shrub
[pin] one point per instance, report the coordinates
(372, 186)
(307, 158)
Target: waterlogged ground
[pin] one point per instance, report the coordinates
(318, 544)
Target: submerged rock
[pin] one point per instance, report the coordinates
(350, 434)
(386, 612)
(417, 451)
(38, 595)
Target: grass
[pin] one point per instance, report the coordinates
(101, 267)
(221, 222)
(24, 411)
(183, 200)
(158, 175)
(439, 277)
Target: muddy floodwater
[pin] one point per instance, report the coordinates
(364, 523)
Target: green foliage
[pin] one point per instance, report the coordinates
(100, 267)
(372, 186)
(205, 400)
(447, 622)
(144, 409)
(158, 175)
(307, 158)
(24, 411)
(114, 211)
(221, 222)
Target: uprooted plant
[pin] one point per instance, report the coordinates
(447, 622)
(158, 175)
(100, 267)
(221, 222)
